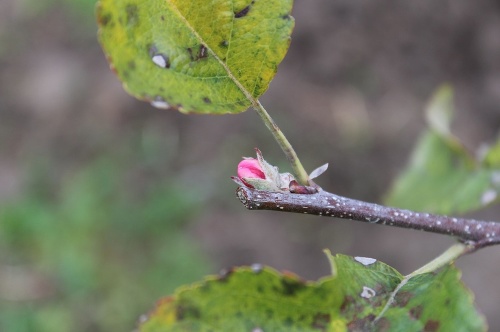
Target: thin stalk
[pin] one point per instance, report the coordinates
(447, 257)
(477, 233)
(298, 170)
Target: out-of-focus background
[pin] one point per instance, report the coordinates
(107, 204)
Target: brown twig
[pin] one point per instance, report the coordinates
(476, 233)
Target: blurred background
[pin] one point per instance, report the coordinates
(107, 204)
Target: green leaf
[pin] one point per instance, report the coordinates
(442, 176)
(261, 299)
(196, 56)
(492, 156)
(434, 302)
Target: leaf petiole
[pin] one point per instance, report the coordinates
(298, 170)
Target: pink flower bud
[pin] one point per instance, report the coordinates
(250, 168)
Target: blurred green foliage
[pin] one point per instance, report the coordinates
(97, 251)
(442, 175)
(101, 228)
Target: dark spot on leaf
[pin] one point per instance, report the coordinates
(447, 302)
(244, 11)
(383, 325)
(224, 43)
(431, 326)
(162, 18)
(402, 298)
(286, 17)
(104, 19)
(239, 314)
(350, 305)
(132, 14)
(361, 324)
(131, 64)
(345, 305)
(260, 289)
(202, 53)
(291, 286)
(321, 321)
(416, 312)
(187, 311)
(207, 100)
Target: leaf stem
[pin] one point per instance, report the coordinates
(298, 170)
(447, 257)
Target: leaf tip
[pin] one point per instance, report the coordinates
(439, 110)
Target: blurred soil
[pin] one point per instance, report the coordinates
(350, 92)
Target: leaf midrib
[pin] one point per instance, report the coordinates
(233, 78)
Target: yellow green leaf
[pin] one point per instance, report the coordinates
(196, 56)
(261, 299)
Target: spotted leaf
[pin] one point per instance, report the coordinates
(258, 298)
(196, 56)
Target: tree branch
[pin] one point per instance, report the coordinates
(477, 234)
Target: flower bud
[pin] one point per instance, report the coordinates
(250, 168)
(260, 175)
